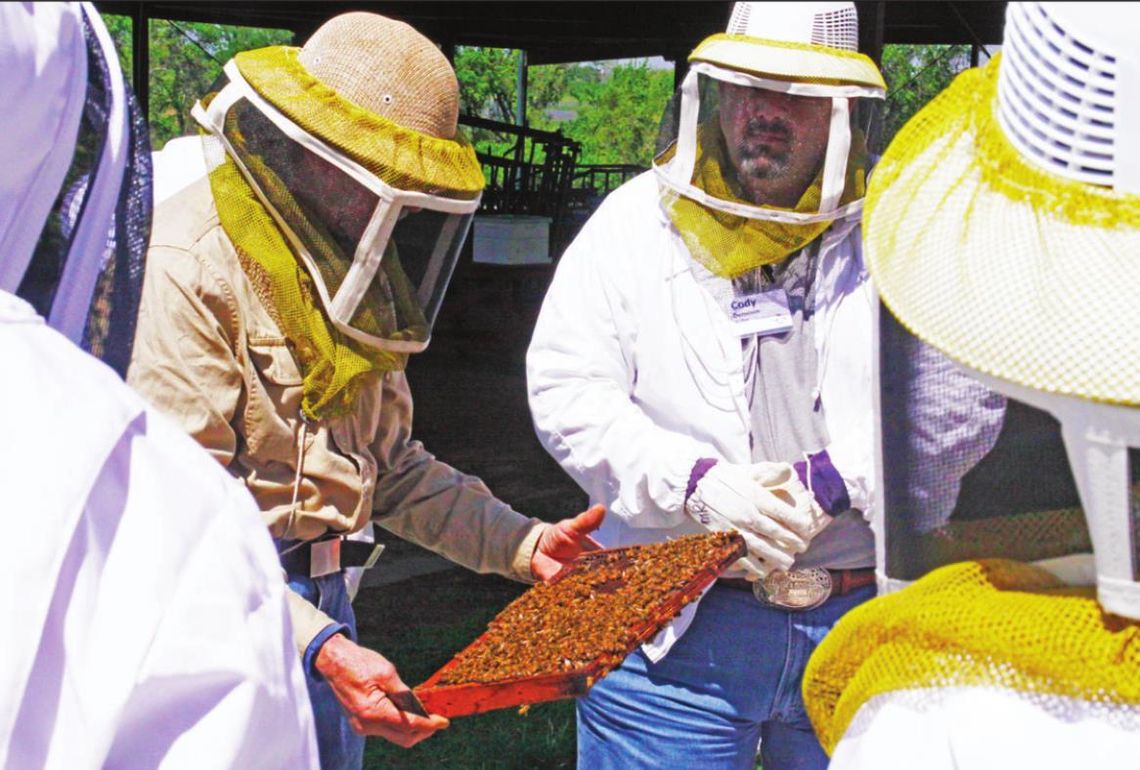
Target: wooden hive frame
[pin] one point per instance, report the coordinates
(452, 700)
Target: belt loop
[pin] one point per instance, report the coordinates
(844, 577)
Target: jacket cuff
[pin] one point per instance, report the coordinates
(308, 660)
(520, 566)
(306, 619)
(820, 476)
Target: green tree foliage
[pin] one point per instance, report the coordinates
(488, 79)
(613, 112)
(915, 74)
(618, 117)
(121, 28)
(185, 60)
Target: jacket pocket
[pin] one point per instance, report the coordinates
(272, 360)
(274, 400)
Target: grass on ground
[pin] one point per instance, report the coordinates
(419, 625)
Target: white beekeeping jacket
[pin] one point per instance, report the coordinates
(634, 372)
(179, 164)
(143, 605)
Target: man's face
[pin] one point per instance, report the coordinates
(773, 137)
(346, 205)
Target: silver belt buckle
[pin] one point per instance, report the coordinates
(798, 589)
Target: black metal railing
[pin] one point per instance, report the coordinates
(535, 172)
(531, 177)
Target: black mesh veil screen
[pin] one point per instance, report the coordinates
(967, 472)
(110, 329)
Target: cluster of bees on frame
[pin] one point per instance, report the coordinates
(594, 613)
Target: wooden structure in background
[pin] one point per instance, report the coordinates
(561, 32)
(540, 175)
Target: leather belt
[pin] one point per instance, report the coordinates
(803, 589)
(331, 555)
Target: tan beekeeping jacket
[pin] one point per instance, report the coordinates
(208, 354)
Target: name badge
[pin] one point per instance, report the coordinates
(762, 313)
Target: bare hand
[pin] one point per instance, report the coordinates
(562, 542)
(361, 679)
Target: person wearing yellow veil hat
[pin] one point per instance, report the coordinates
(702, 361)
(1002, 231)
(285, 288)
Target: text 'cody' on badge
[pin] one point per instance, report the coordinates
(762, 313)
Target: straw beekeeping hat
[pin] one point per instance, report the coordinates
(388, 68)
(1002, 224)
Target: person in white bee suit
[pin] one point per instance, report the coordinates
(284, 292)
(1002, 231)
(702, 361)
(145, 620)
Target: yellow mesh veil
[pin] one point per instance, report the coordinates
(729, 245)
(332, 365)
(990, 623)
(403, 158)
(1006, 268)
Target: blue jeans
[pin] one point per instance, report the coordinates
(339, 745)
(733, 680)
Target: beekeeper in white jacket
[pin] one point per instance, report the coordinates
(702, 361)
(144, 613)
(1003, 235)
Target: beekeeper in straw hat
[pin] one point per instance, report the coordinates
(702, 362)
(285, 291)
(144, 608)
(1003, 234)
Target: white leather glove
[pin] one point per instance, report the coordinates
(767, 504)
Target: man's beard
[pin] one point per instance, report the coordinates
(761, 159)
(763, 164)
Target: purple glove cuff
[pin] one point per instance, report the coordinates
(700, 468)
(826, 483)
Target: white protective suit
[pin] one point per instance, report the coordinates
(985, 728)
(142, 597)
(635, 372)
(143, 608)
